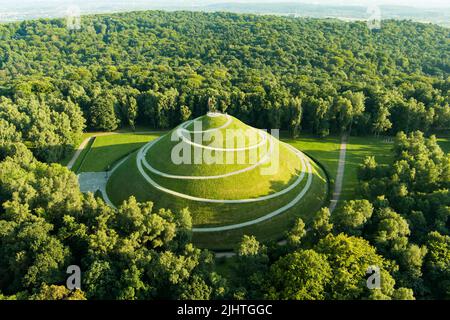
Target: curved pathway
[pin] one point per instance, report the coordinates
(179, 132)
(305, 163)
(183, 126)
(143, 151)
(198, 145)
(263, 160)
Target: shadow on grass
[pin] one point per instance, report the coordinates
(103, 158)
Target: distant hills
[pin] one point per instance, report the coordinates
(346, 12)
(27, 10)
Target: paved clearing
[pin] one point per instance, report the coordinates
(96, 181)
(93, 182)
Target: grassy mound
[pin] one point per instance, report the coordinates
(294, 174)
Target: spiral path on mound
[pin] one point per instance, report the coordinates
(265, 139)
(144, 150)
(141, 160)
(182, 129)
(263, 160)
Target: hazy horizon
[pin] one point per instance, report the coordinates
(169, 3)
(348, 10)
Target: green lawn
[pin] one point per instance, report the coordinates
(85, 135)
(324, 150)
(107, 150)
(444, 142)
(357, 149)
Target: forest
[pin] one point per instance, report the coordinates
(157, 69)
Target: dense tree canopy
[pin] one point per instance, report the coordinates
(158, 69)
(46, 224)
(411, 220)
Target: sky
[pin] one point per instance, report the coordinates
(415, 3)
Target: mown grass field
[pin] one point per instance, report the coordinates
(444, 142)
(252, 183)
(106, 150)
(324, 150)
(138, 129)
(357, 149)
(249, 184)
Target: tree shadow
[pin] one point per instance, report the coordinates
(103, 158)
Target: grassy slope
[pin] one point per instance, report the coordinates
(127, 181)
(275, 228)
(159, 156)
(253, 183)
(204, 214)
(249, 184)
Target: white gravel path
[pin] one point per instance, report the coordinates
(98, 181)
(143, 151)
(263, 160)
(340, 174)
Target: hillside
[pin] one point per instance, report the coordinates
(231, 186)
